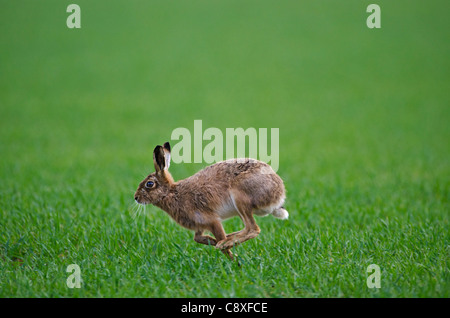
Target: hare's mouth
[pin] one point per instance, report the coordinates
(139, 201)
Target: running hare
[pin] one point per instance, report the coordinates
(243, 187)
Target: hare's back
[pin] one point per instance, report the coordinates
(252, 177)
(232, 168)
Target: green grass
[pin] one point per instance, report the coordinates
(364, 145)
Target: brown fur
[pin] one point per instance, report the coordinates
(240, 187)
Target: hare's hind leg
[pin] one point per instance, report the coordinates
(251, 229)
(234, 233)
(248, 233)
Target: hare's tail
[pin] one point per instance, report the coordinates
(280, 213)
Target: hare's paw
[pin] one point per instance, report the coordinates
(226, 243)
(219, 244)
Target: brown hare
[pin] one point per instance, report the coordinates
(243, 187)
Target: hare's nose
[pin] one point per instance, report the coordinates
(135, 198)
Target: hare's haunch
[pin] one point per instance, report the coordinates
(243, 187)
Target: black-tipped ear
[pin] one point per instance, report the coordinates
(158, 158)
(167, 146)
(167, 155)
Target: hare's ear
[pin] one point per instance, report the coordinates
(158, 159)
(166, 148)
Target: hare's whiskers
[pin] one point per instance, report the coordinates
(137, 206)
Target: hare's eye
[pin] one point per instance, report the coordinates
(149, 184)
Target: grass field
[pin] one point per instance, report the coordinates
(364, 144)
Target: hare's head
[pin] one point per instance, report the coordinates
(156, 185)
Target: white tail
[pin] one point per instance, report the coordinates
(280, 213)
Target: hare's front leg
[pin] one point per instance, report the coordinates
(204, 239)
(218, 231)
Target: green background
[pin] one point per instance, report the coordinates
(364, 144)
